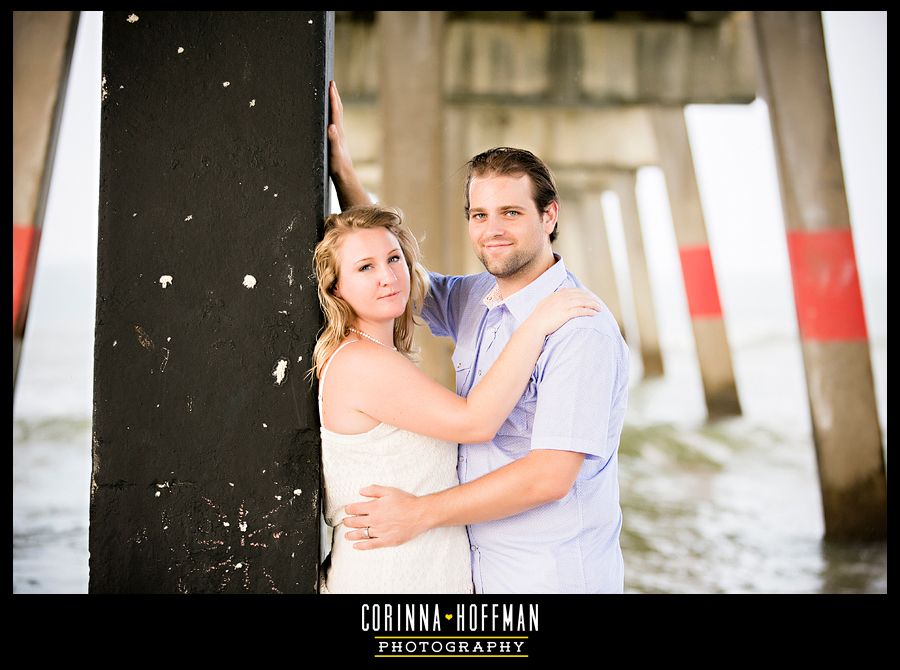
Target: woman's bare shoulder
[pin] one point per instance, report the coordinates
(362, 360)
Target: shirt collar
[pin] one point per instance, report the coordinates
(522, 303)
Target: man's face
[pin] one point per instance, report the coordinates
(508, 233)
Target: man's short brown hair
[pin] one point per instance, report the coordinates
(509, 161)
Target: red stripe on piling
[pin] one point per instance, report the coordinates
(826, 285)
(700, 282)
(23, 239)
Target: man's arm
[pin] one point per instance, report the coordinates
(396, 517)
(577, 385)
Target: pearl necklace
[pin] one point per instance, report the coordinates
(369, 337)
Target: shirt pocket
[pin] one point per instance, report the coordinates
(521, 419)
(462, 364)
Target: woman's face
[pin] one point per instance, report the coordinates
(372, 274)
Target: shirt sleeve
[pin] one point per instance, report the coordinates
(440, 310)
(577, 388)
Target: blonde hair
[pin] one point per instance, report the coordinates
(339, 316)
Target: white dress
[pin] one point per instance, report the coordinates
(437, 561)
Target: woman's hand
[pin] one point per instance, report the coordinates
(567, 303)
(350, 190)
(339, 161)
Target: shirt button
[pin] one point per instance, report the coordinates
(462, 458)
(473, 547)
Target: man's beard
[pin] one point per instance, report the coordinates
(510, 266)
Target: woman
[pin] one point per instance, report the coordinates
(382, 418)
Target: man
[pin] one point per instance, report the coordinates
(541, 499)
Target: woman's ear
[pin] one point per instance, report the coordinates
(336, 291)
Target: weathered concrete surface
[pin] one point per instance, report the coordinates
(795, 82)
(43, 43)
(412, 134)
(591, 63)
(713, 352)
(584, 245)
(624, 184)
(212, 195)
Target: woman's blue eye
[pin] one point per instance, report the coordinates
(367, 265)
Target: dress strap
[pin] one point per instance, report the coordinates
(324, 372)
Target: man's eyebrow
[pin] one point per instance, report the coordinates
(484, 209)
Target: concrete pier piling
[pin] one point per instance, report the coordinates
(713, 351)
(212, 196)
(849, 451)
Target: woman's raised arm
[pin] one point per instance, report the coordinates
(388, 387)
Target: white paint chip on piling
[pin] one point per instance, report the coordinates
(165, 280)
(226, 84)
(132, 18)
(297, 492)
(249, 281)
(279, 371)
(181, 50)
(253, 102)
(189, 217)
(266, 187)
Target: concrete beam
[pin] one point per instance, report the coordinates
(583, 62)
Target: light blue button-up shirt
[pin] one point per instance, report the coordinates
(575, 401)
